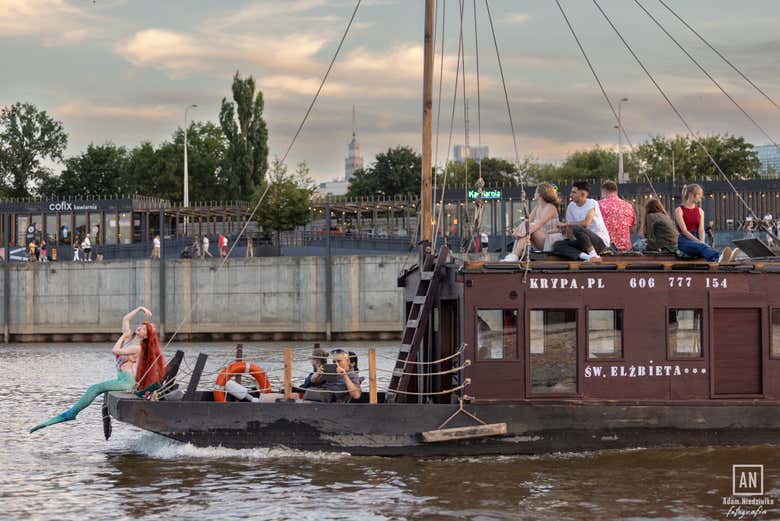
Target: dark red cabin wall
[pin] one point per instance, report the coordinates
(645, 330)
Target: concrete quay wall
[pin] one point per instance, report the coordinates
(263, 298)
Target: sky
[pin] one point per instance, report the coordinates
(123, 71)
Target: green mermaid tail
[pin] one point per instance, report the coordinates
(123, 382)
(64, 417)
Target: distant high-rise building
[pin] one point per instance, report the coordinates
(769, 156)
(462, 152)
(353, 161)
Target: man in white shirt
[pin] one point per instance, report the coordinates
(588, 235)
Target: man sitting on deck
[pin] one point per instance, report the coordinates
(619, 216)
(584, 226)
(341, 386)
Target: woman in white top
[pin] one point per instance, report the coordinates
(86, 246)
(156, 247)
(206, 252)
(544, 223)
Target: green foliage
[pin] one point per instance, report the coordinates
(108, 170)
(28, 137)
(98, 172)
(495, 172)
(395, 172)
(733, 154)
(246, 160)
(286, 203)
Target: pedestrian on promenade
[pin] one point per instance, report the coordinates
(222, 244)
(76, 249)
(206, 252)
(156, 247)
(44, 258)
(250, 252)
(196, 248)
(86, 245)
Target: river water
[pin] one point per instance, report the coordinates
(69, 472)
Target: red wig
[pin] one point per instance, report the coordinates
(151, 364)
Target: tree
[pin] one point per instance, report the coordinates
(495, 172)
(28, 137)
(98, 172)
(286, 203)
(246, 160)
(395, 172)
(595, 163)
(733, 154)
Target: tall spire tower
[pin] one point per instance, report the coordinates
(353, 160)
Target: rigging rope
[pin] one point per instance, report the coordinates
(706, 73)
(524, 200)
(265, 192)
(722, 57)
(506, 92)
(479, 99)
(452, 127)
(676, 111)
(621, 127)
(438, 108)
(465, 130)
(324, 79)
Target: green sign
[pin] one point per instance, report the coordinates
(486, 194)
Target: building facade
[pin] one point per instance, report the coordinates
(354, 160)
(462, 152)
(769, 155)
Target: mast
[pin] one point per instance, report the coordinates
(426, 197)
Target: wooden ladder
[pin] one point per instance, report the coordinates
(416, 325)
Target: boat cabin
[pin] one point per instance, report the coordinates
(620, 330)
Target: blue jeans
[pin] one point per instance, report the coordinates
(697, 249)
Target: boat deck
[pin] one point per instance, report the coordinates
(626, 263)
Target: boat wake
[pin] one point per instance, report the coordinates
(159, 447)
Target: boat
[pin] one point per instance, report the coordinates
(533, 357)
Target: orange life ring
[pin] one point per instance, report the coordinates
(240, 368)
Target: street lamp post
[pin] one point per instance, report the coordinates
(621, 174)
(186, 173)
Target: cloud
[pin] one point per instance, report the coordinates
(56, 22)
(89, 111)
(264, 11)
(179, 53)
(517, 18)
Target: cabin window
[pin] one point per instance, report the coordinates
(776, 333)
(685, 333)
(496, 334)
(605, 334)
(553, 357)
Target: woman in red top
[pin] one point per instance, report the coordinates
(690, 221)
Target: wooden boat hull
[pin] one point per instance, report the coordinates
(395, 429)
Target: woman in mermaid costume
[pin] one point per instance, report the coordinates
(142, 346)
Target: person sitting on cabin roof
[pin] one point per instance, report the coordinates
(340, 386)
(588, 236)
(690, 221)
(619, 216)
(658, 228)
(319, 357)
(543, 227)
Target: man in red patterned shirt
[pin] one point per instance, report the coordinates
(619, 216)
